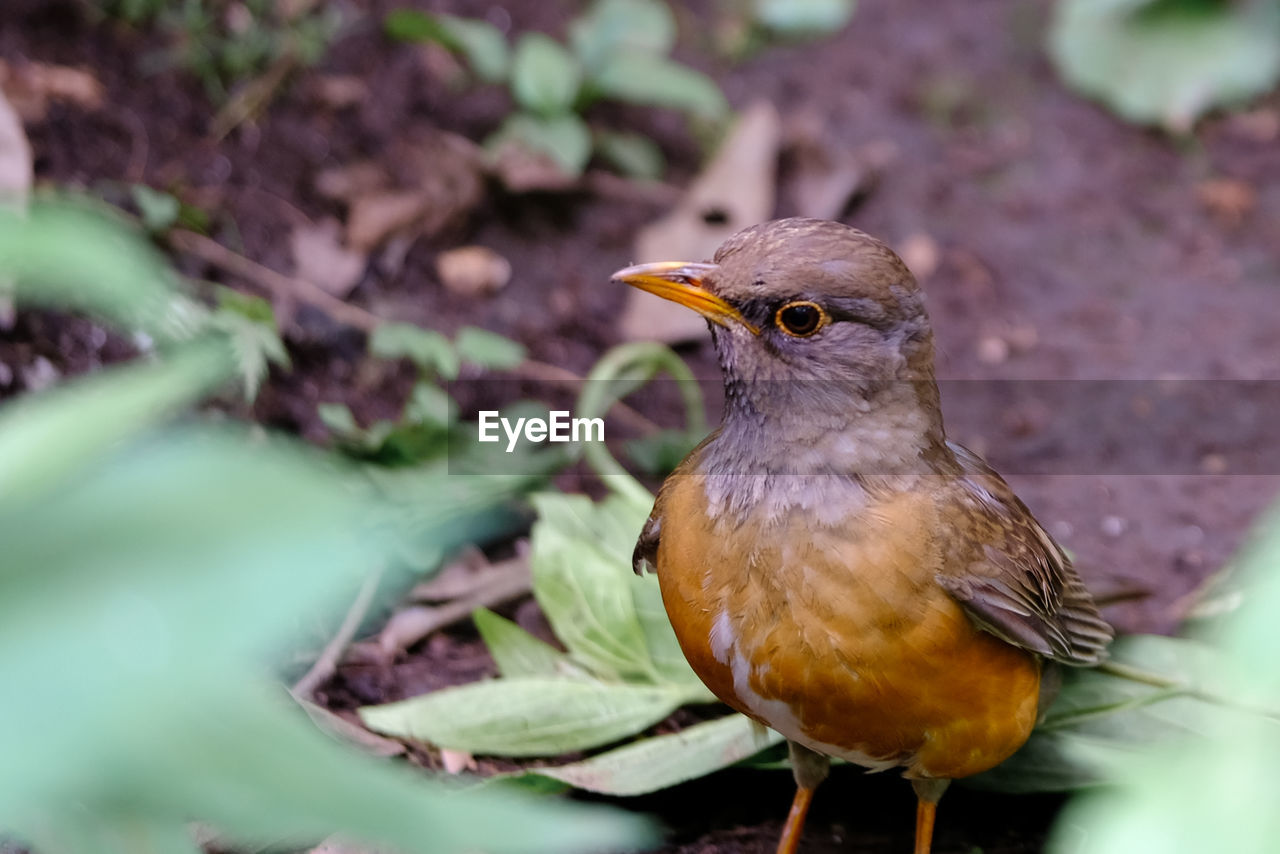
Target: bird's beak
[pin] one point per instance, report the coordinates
(681, 282)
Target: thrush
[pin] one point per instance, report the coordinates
(832, 565)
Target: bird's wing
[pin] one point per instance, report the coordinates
(1019, 585)
(645, 555)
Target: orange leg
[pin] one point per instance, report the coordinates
(790, 840)
(927, 794)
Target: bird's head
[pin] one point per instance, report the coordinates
(808, 316)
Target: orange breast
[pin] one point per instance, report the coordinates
(839, 637)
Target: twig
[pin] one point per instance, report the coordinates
(253, 98)
(327, 664)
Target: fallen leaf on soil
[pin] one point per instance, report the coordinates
(921, 255)
(15, 157)
(350, 732)
(1227, 199)
(320, 257)
(736, 189)
(345, 183)
(473, 270)
(30, 86)
(339, 91)
(522, 171)
(432, 181)
(457, 761)
(821, 176)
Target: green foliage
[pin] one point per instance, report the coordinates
(1210, 792)
(1167, 62)
(149, 573)
(803, 18)
(224, 44)
(617, 50)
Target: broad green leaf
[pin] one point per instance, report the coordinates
(45, 438)
(488, 349)
(426, 348)
(338, 417)
(655, 81)
(667, 760)
(804, 17)
(631, 154)
(1170, 61)
(481, 43)
(545, 78)
(528, 716)
(583, 583)
(69, 257)
(159, 210)
(565, 139)
(613, 25)
(515, 651)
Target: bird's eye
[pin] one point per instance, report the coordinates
(801, 319)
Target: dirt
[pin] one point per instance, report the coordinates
(1065, 246)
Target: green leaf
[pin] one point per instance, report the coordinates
(804, 17)
(631, 154)
(545, 78)
(159, 210)
(426, 348)
(70, 257)
(481, 43)
(488, 349)
(515, 651)
(338, 418)
(565, 139)
(655, 81)
(613, 25)
(429, 404)
(528, 716)
(1166, 62)
(45, 438)
(255, 345)
(659, 453)
(667, 760)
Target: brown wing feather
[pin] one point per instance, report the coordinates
(1020, 584)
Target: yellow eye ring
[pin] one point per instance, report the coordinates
(801, 318)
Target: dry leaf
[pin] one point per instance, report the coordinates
(821, 175)
(473, 270)
(345, 183)
(1227, 199)
(921, 255)
(30, 86)
(457, 761)
(16, 169)
(374, 218)
(320, 258)
(339, 91)
(737, 189)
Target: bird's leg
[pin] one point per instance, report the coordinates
(928, 792)
(809, 769)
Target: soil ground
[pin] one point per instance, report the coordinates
(1085, 248)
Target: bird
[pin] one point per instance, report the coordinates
(832, 566)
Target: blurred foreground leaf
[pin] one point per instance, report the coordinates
(803, 17)
(653, 80)
(1167, 62)
(1212, 792)
(613, 25)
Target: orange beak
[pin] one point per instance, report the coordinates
(681, 282)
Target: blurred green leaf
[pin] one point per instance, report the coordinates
(661, 452)
(159, 210)
(565, 139)
(488, 349)
(46, 438)
(515, 651)
(481, 43)
(338, 418)
(428, 404)
(255, 346)
(545, 78)
(1198, 794)
(804, 17)
(70, 257)
(613, 25)
(655, 81)
(1166, 62)
(662, 761)
(525, 716)
(426, 348)
(633, 155)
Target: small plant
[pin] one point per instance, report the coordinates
(227, 42)
(746, 26)
(1167, 62)
(618, 50)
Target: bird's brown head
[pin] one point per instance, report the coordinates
(804, 313)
